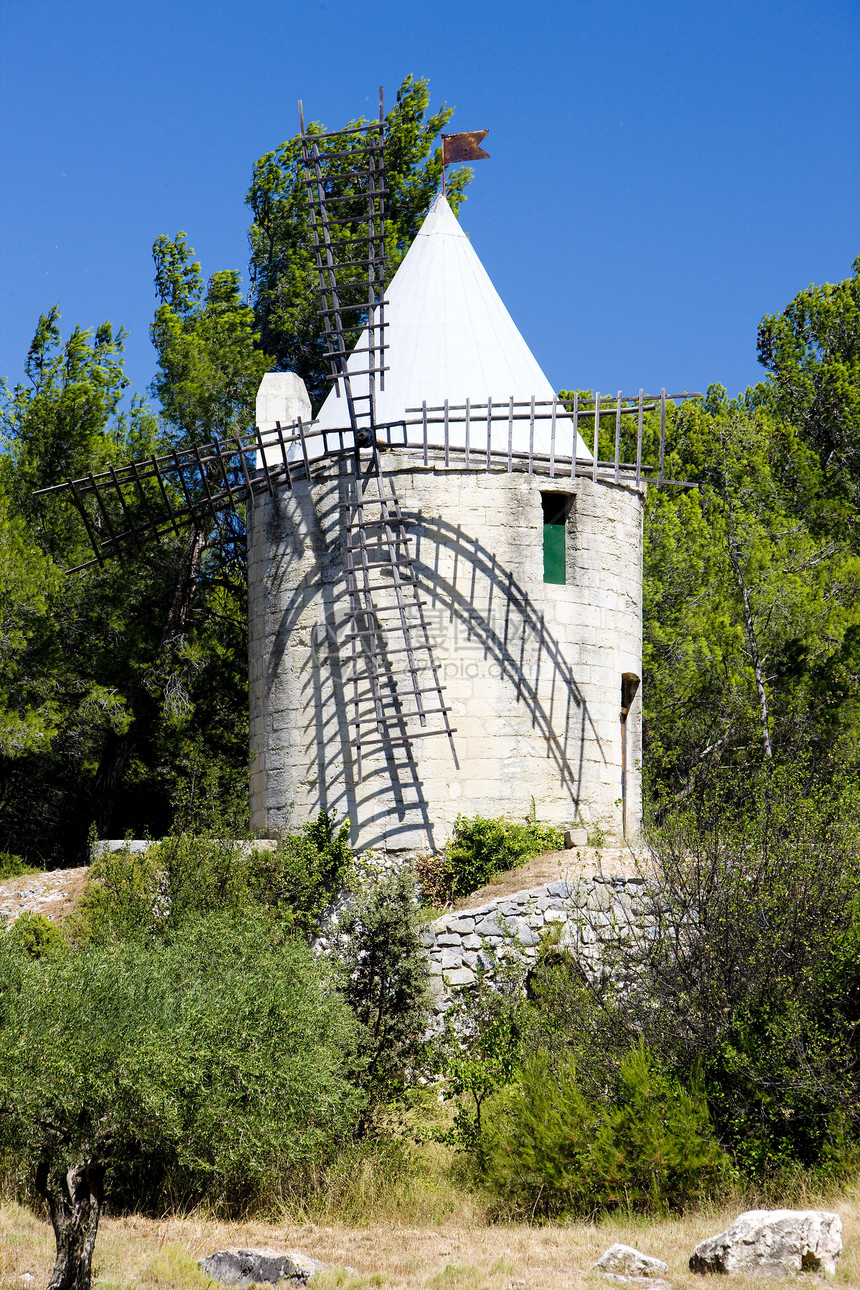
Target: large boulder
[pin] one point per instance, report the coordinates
(773, 1242)
(249, 1267)
(623, 1260)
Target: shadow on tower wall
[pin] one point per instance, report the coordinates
(493, 611)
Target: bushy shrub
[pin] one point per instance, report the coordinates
(746, 966)
(481, 848)
(37, 936)
(12, 866)
(548, 1150)
(187, 875)
(384, 981)
(207, 1065)
(481, 1048)
(307, 868)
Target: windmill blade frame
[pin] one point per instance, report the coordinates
(358, 193)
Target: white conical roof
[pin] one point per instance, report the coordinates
(451, 337)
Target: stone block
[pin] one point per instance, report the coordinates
(625, 1261)
(776, 1243)
(255, 1267)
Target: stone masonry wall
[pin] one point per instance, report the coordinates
(592, 913)
(533, 671)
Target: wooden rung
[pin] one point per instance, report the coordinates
(399, 739)
(387, 720)
(409, 690)
(396, 649)
(387, 564)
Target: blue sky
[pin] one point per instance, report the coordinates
(662, 173)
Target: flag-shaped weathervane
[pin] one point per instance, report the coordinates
(462, 147)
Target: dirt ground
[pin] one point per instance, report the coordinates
(453, 1254)
(579, 862)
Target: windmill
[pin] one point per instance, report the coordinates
(393, 537)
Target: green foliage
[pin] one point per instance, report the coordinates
(482, 1046)
(481, 848)
(305, 870)
(283, 266)
(65, 419)
(120, 899)
(29, 585)
(209, 363)
(37, 936)
(384, 971)
(811, 352)
(188, 875)
(13, 866)
(747, 968)
(117, 687)
(210, 1064)
(750, 606)
(74, 671)
(550, 1151)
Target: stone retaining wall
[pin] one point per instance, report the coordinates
(592, 913)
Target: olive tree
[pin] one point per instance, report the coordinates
(207, 1064)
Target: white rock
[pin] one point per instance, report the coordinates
(773, 1242)
(624, 1260)
(249, 1267)
(643, 1283)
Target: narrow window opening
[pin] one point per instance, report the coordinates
(629, 686)
(555, 511)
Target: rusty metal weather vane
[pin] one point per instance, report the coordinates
(462, 147)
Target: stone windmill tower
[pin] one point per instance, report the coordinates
(501, 563)
(445, 584)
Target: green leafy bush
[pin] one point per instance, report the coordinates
(384, 973)
(37, 936)
(209, 1064)
(305, 870)
(187, 875)
(481, 848)
(548, 1150)
(13, 866)
(481, 1050)
(744, 970)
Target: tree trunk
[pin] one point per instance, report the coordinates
(111, 769)
(177, 618)
(75, 1201)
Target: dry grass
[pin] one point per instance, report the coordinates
(460, 1251)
